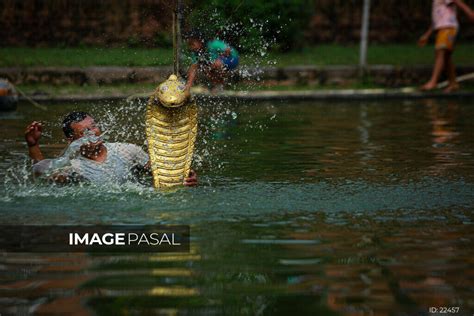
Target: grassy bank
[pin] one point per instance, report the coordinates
(69, 89)
(395, 54)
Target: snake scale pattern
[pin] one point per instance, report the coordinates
(171, 128)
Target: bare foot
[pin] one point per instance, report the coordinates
(428, 86)
(451, 88)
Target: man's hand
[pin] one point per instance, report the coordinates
(187, 93)
(32, 137)
(464, 7)
(33, 133)
(425, 37)
(191, 179)
(423, 40)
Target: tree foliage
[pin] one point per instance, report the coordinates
(250, 24)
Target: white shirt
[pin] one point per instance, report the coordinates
(120, 159)
(444, 14)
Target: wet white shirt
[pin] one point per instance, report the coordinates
(116, 168)
(121, 158)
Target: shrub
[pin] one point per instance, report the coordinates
(279, 24)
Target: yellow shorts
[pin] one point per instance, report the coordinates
(445, 38)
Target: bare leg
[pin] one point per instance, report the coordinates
(437, 69)
(451, 72)
(216, 75)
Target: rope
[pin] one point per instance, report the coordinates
(458, 79)
(36, 104)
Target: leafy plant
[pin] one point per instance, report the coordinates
(248, 25)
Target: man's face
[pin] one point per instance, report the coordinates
(194, 44)
(80, 129)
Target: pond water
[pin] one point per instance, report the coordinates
(309, 208)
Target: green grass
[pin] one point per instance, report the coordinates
(70, 89)
(396, 54)
(84, 57)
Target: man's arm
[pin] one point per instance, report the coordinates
(192, 72)
(44, 169)
(32, 137)
(465, 8)
(425, 37)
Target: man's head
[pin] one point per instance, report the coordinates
(195, 40)
(75, 124)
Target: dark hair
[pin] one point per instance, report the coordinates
(72, 117)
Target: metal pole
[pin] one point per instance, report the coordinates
(364, 32)
(176, 36)
(179, 10)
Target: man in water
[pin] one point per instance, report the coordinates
(91, 158)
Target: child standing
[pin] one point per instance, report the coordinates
(446, 25)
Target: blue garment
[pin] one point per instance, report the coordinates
(214, 51)
(230, 62)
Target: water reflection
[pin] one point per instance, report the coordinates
(444, 136)
(367, 267)
(364, 266)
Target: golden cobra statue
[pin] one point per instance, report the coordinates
(171, 127)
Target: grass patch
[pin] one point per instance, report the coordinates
(393, 54)
(69, 89)
(328, 54)
(84, 57)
